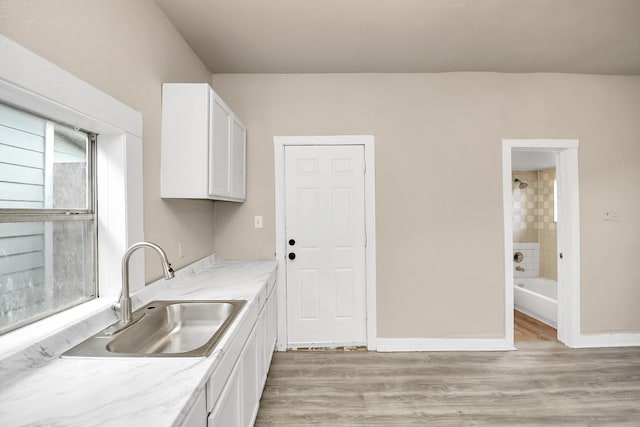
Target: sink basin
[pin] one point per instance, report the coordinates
(165, 329)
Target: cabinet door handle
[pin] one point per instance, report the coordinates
(292, 256)
(292, 242)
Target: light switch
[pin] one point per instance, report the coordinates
(257, 221)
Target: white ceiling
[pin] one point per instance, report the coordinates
(347, 36)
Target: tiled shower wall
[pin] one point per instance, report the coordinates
(533, 218)
(547, 234)
(525, 208)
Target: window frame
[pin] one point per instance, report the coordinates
(89, 214)
(34, 84)
(24, 214)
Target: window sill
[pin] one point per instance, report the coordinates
(56, 333)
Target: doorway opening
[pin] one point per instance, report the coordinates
(534, 246)
(541, 223)
(325, 213)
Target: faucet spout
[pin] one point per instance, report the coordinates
(124, 305)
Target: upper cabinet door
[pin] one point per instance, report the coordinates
(238, 159)
(203, 145)
(185, 136)
(220, 149)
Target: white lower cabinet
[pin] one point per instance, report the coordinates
(238, 402)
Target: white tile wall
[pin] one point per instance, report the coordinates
(531, 261)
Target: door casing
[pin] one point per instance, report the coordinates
(568, 233)
(367, 141)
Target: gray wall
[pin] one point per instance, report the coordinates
(438, 181)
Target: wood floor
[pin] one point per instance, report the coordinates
(527, 328)
(543, 383)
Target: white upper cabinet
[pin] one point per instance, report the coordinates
(203, 145)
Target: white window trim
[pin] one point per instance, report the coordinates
(35, 84)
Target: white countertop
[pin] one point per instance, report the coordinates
(39, 388)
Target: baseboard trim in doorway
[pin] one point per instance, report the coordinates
(607, 340)
(443, 344)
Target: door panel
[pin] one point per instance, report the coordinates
(324, 208)
(309, 284)
(344, 293)
(308, 206)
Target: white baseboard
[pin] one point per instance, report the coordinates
(607, 340)
(491, 344)
(443, 344)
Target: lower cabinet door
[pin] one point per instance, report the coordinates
(198, 415)
(261, 340)
(271, 321)
(228, 409)
(250, 379)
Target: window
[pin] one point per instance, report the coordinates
(47, 217)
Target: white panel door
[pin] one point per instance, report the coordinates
(325, 231)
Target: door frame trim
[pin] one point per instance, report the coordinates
(568, 233)
(368, 142)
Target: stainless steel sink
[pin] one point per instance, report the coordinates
(165, 329)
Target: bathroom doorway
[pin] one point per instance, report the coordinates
(535, 219)
(541, 223)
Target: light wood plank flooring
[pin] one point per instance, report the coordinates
(540, 384)
(526, 328)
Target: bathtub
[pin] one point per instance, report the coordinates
(537, 297)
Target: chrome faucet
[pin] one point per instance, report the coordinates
(124, 305)
(519, 268)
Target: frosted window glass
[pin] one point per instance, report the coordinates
(47, 260)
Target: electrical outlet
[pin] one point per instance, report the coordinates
(610, 215)
(180, 254)
(257, 221)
